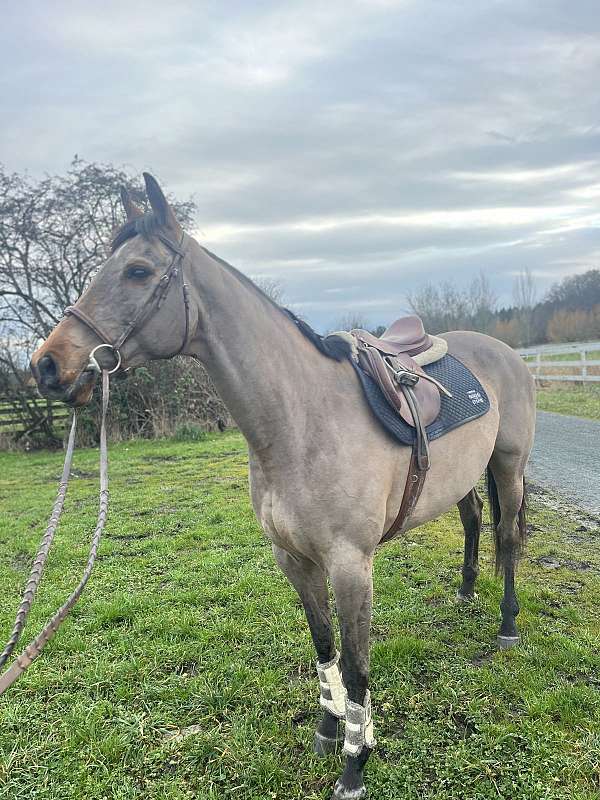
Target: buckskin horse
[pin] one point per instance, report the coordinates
(326, 478)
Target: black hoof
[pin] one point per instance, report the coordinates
(506, 642)
(341, 793)
(325, 745)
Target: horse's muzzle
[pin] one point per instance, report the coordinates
(75, 393)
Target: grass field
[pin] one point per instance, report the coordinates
(577, 400)
(187, 669)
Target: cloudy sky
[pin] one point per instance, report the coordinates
(352, 150)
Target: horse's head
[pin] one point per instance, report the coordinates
(136, 306)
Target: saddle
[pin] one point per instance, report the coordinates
(394, 361)
(405, 335)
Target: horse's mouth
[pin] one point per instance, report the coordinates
(76, 394)
(80, 391)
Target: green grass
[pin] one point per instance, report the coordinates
(576, 400)
(187, 622)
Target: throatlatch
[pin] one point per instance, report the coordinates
(333, 691)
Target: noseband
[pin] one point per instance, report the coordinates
(155, 300)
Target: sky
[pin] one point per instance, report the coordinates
(353, 151)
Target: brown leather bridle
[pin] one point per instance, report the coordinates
(155, 300)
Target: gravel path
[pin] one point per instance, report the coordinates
(566, 458)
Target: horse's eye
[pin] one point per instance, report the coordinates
(137, 273)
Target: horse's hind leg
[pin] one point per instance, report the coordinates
(470, 508)
(506, 488)
(310, 582)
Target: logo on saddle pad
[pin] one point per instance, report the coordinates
(475, 396)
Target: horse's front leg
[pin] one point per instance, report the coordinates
(351, 576)
(310, 582)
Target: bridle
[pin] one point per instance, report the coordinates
(153, 302)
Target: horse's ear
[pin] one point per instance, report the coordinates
(130, 207)
(160, 204)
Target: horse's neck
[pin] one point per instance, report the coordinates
(256, 357)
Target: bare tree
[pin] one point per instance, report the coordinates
(483, 302)
(446, 307)
(351, 320)
(525, 298)
(53, 235)
(442, 308)
(272, 287)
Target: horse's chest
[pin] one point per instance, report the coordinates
(285, 514)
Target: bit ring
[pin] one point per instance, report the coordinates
(93, 364)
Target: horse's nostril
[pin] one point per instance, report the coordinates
(48, 371)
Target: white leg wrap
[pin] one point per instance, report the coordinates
(333, 691)
(359, 727)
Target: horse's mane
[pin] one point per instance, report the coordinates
(331, 346)
(148, 224)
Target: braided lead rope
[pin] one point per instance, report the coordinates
(42, 553)
(34, 649)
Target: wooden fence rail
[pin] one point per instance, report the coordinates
(551, 362)
(24, 412)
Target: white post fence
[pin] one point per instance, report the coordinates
(543, 357)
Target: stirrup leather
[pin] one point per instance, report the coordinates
(333, 691)
(359, 727)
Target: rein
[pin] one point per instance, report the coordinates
(33, 650)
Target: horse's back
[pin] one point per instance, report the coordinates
(507, 380)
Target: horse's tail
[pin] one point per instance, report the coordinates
(502, 553)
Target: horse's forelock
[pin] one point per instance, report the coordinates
(145, 225)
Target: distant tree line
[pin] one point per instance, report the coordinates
(570, 311)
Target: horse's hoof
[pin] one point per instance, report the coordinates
(325, 745)
(506, 642)
(341, 793)
(466, 598)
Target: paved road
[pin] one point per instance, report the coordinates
(566, 458)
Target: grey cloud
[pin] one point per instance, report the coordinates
(279, 116)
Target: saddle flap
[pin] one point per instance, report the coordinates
(426, 393)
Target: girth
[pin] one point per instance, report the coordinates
(154, 302)
(416, 397)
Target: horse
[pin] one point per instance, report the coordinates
(326, 480)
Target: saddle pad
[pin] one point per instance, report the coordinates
(468, 400)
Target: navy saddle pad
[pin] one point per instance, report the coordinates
(468, 400)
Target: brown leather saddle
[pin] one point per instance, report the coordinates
(389, 361)
(405, 335)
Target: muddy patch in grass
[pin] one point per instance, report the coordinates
(157, 459)
(482, 659)
(464, 726)
(552, 562)
(127, 537)
(187, 669)
(571, 587)
(182, 733)
(303, 715)
(301, 672)
(21, 562)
